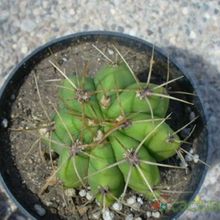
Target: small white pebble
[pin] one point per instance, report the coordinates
(96, 215)
(117, 206)
(140, 200)
(82, 193)
(149, 214)
(40, 210)
(192, 35)
(89, 196)
(64, 59)
(72, 11)
(185, 11)
(172, 40)
(207, 16)
(191, 151)
(44, 132)
(110, 52)
(183, 164)
(112, 10)
(14, 46)
(129, 217)
(70, 192)
(131, 200)
(4, 123)
(189, 157)
(24, 50)
(48, 203)
(156, 214)
(138, 218)
(196, 158)
(107, 215)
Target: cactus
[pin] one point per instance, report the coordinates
(110, 133)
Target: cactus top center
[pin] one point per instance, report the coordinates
(103, 190)
(82, 95)
(76, 148)
(144, 93)
(132, 157)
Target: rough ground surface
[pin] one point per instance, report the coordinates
(188, 30)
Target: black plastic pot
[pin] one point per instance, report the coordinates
(17, 77)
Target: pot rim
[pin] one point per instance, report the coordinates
(124, 37)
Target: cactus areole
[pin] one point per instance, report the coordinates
(111, 129)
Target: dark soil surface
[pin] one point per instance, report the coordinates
(27, 161)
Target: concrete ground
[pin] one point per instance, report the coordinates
(189, 30)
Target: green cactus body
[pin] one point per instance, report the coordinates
(160, 143)
(108, 183)
(82, 99)
(122, 145)
(139, 126)
(56, 144)
(135, 99)
(163, 105)
(72, 169)
(110, 79)
(112, 133)
(69, 126)
(64, 126)
(164, 144)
